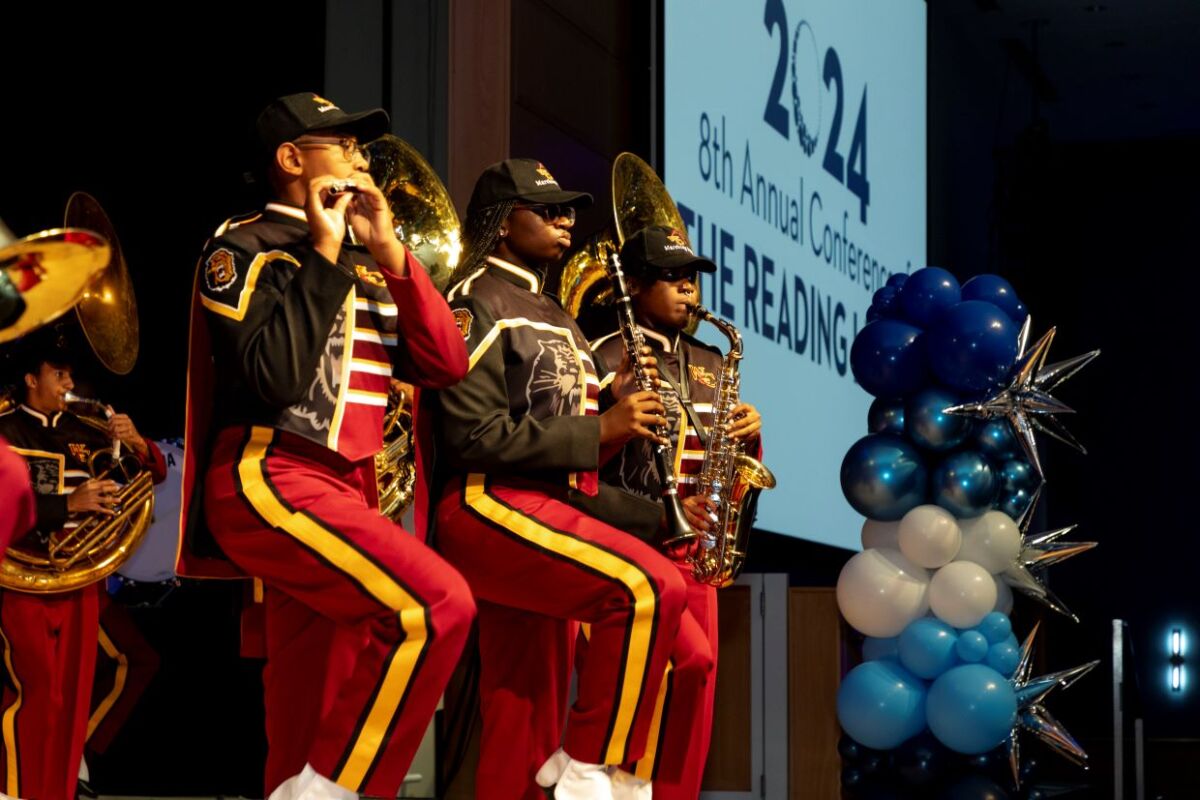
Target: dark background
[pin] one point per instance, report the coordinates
(1062, 159)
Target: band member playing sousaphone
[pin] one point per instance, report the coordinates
(50, 639)
(519, 506)
(297, 333)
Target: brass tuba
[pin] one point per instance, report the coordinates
(93, 549)
(427, 225)
(639, 200)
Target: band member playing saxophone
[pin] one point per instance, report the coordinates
(663, 272)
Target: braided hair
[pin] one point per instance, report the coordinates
(481, 232)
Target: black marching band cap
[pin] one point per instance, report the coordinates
(290, 117)
(521, 179)
(51, 344)
(658, 248)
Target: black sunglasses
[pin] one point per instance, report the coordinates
(551, 212)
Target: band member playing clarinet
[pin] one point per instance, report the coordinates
(50, 640)
(663, 283)
(520, 441)
(364, 623)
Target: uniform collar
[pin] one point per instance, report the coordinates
(520, 276)
(43, 420)
(666, 344)
(290, 215)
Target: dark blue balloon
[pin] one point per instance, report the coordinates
(886, 416)
(996, 440)
(972, 347)
(997, 291)
(927, 423)
(1018, 481)
(883, 477)
(884, 301)
(971, 709)
(880, 704)
(887, 358)
(873, 314)
(897, 279)
(964, 484)
(1022, 313)
(926, 294)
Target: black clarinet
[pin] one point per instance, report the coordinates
(678, 529)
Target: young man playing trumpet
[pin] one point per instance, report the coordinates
(49, 640)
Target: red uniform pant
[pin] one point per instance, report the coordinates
(49, 646)
(125, 665)
(679, 735)
(361, 608)
(524, 549)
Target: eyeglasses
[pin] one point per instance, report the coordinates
(551, 212)
(350, 146)
(672, 274)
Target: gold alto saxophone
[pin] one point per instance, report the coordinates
(729, 478)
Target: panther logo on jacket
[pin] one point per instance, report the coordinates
(555, 384)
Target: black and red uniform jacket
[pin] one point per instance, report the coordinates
(57, 449)
(528, 407)
(285, 339)
(683, 358)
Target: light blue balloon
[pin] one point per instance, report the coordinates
(971, 709)
(995, 627)
(926, 647)
(1004, 657)
(875, 648)
(972, 647)
(880, 704)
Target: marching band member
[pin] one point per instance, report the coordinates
(663, 283)
(50, 640)
(519, 443)
(364, 623)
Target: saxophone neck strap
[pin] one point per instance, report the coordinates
(682, 388)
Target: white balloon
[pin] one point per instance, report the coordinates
(993, 541)
(1004, 596)
(929, 536)
(876, 533)
(962, 593)
(880, 592)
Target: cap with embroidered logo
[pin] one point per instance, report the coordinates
(521, 179)
(656, 249)
(290, 117)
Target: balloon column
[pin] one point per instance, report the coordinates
(948, 476)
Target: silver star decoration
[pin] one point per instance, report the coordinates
(1026, 402)
(1038, 553)
(1032, 715)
